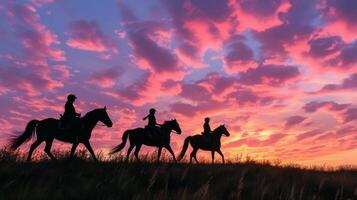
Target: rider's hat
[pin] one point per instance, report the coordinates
(71, 97)
(152, 110)
(207, 119)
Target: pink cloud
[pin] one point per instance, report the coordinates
(61, 71)
(350, 115)
(347, 84)
(324, 46)
(183, 109)
(346, 58)
(40, 3)
(105, 78)
(30, 79)
(38, 41)
(309, 134)
(298, 25)
(150, 54)
(199, 26)
(248, 97)
(273, 75)
(340, 16)
(86, 35)
(239, 57)
(26, 14)
(36, 104)
(37, 47)
(259, 14)
(293, 121)
(202, 108)
(313, 106)
(253, 142)
(217, 83)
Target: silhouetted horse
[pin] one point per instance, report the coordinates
(48, 129)
(205, 143)
(138, 137)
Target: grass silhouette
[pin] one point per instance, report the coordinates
(114, 178)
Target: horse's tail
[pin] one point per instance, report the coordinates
(24, 137)
(184, 148)
(122, 145)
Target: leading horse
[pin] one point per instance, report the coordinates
(48, 129)
(208, 143)
(138, 137)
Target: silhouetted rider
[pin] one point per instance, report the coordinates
(206, 127)
(151, 127)
(70, 116)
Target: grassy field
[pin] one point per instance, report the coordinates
(115, 179)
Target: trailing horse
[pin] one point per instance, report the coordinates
(138, 137)
(48, 129)
(207, 143)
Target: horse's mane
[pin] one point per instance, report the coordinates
(168, 121)
(92, 112)
(216, 129)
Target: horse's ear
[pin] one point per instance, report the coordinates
(105, 107)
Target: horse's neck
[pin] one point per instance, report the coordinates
(166, 129)
(217, 134)
(89, 123)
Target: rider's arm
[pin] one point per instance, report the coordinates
(145, 117)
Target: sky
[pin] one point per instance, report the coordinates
(281, 74)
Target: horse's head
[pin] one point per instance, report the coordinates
(173, 124)
(222, 130)
(104, 117)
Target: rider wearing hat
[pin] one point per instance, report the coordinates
(206, 127)
(151, 127)
(70, 114)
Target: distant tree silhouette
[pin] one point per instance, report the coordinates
(48, 129)
(207, 143)
(139, 136)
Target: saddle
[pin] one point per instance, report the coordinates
(152, 132)
(69, 123)
(207, 137)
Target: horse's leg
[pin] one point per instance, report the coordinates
(212, 153)
(89, 147)
(193, 155)
(137, 149)
(131, 147)
(33, 147)
(74, 146)
(220, 153)
(48, 148)
(171, 152)
(159, 154)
